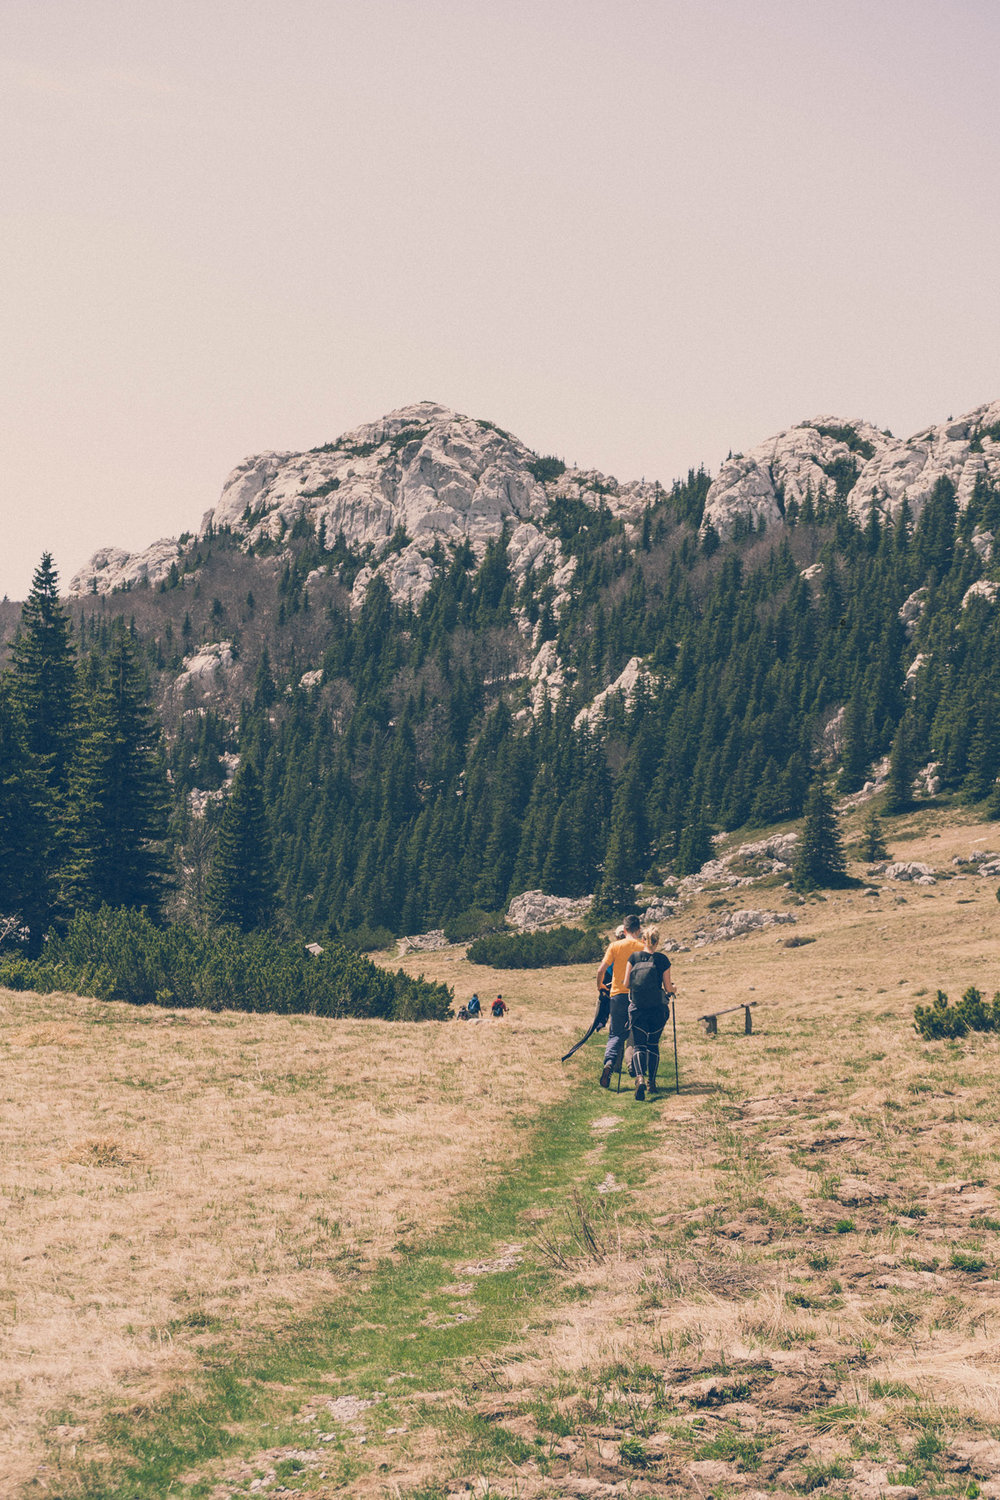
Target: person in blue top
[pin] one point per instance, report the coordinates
(473, 1007)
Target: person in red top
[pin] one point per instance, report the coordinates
(617, 957)
(498, 1010)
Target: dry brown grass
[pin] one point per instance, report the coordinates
(164, 1172)
(163, 1169)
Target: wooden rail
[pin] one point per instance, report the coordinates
(711, 1019)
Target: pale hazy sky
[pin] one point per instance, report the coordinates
(637, 234)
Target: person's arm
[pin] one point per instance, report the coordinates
(628, 975)
(601, 968)
(668, 983)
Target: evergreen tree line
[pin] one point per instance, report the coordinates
(410, 789)
(413, 786)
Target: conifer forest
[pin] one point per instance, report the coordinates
(413, 779)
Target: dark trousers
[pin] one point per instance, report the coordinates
(617, 1030)
(645, 1029)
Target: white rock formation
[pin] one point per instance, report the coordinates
(626, 683)
(441, 477)
(888, 471)
(804, 460)
(535, 909)
(920, 660)
(423, 942)
(909, 870)
(911, 609)
(311, 679)
(908, 471)
(110, 568)
(437, 475)
(739, 923)
(202, 670)
(767, 856)
(981, 589)
(545, 676)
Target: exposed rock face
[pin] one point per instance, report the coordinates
(856, 460)
(908, 471)
(739, 923)
(807, 460)
(911, 609)
(425, 475)
(625, 683)
(910, 870)
(202, 670)
(110, 568)
(535, 909)
(423, 942)
(985, 861)
(434, 474)
(981, 589)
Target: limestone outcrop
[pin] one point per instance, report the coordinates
(534, 909)
(425, 476)
(853, 460)
(111, 569)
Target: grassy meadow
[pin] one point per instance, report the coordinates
(264, 1255)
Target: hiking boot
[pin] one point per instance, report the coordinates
(606, 1073)
(640, 1092)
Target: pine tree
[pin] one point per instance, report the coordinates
(44, 676)
(899, 791)
(118, 792)
(820, 858)
(25, 832)
(43, 701)
(241, 887)
(873, 846)
(695, 845)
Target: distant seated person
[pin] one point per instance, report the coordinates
(474, 1008)
(463, 1014)
(498, 1010)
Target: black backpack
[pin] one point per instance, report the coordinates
(647, 981)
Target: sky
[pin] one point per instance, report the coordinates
(638, 235)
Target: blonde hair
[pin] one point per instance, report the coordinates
(651, 936)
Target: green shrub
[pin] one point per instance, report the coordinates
(546, 468)
(537, 950)
(472, 924)
(117, 954)
(940, 1020)
(367, 939)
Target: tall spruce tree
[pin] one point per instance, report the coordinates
(241, 887)
(118, 790)
(820, 858)
(44, 676)
(25, 831)
(44, 701)
(902, 769)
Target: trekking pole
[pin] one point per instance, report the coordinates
(673, 1017)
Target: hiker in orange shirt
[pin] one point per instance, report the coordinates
(617, 956)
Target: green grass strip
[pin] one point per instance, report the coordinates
(361, 1341)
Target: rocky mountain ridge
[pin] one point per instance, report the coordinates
(397, 488)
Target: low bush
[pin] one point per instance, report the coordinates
(472, 924)
(940, 1020)
(366, 939)
(117, 954)
(537, 950)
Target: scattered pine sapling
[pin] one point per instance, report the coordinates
(873, 846)
(941, 1021)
